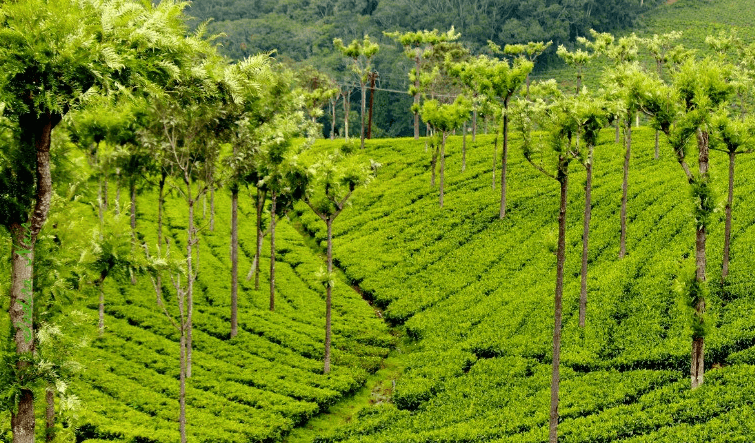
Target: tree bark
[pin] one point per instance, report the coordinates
(656, 145)
(346, 109)
(504, 155)
(464, 148)
(474, 125)
(727, 229)
(182, 392)
(563, 179)
(234, 259)
(101, 285)
(50, 414)
(329, 223)
(361, 115)
(132, 189)
(442, 167)
(698, 343)
(190, 275)
(585, 238)
(36, 131)
(273, 197)
(260, 207)
(624, 189)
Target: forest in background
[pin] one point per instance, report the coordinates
(302, 32)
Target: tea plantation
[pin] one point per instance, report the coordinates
(475, 295)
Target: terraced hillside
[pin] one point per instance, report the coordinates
(475, 293)
(255, 387)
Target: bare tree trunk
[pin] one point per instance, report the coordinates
(191, 236)
(656, 145)
(260, 207)
(273, 197)
(495, 153)
(361, 115)
(624, 188)
(563, 179)
(504, 156)
(212, 208)
(101, 285)
(329, 223)
(698, 343)
(182, 392)
(346, 110)
(727, 229)
(50, 413)
(585, 238)
(234, 259)
(442, 167)
(132, 189)
(464, 148)
(474, 125)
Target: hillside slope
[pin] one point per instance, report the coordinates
(476, 295)
(255, 387)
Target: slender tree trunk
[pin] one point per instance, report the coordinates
(416, 95)
(273, 197)
(191, 235)
(698, 343)
(727, 229)
(560, 259)
(495, 153)
(346, 110)
(372, 102)
(637, 119)
(585, 238)
(132, 189)
(624, 188)
(361, 115)
(333, 118)
(36, 131)
(50, 413)
(260, 207)
(234, 259)
(101, 285)
(182, 392)
(504, 156)
(117, 191)
(474, 125)
(212, 208)
(617, 131)
(160, 205)
(464, 148)
(442, 167)
(329, 223)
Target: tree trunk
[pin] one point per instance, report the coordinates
(474, 125)
(495, 153)
(101, 285)
(234, 258)
(212, 208)
(333, 118)
(372, 102)
(464, 148)
(132, 189)
(504, 156)
(36, 131)
(656, 145)
(361, 115)
(273, 197)
(442, 167)
(50, 413)
(624, 188)
(585, 238)
(329, 223)
(190, 275)
(182, 392)
(727, 229)
(346, 110)
(416, 95)
(260, 207)
(617, 131)
(698, 343)
(563, 179)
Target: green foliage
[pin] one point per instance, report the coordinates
(446, 117)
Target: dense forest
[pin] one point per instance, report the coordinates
(303, 31)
